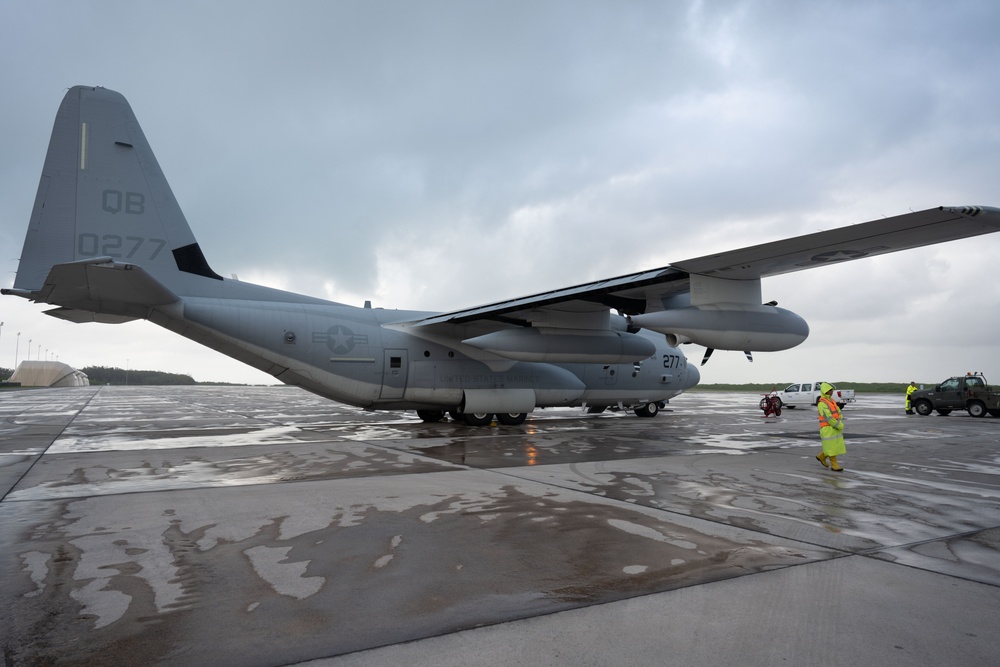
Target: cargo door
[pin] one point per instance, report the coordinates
(394, 367)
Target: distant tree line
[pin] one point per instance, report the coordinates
(114, 375)
(860, 387)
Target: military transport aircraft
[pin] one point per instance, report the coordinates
(107, 242)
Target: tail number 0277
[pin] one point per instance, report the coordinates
(119, 247)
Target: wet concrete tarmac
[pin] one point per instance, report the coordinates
(265, 526)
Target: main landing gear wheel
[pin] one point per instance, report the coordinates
(477, 418)
(511, 418)
(430, 416)
(648, 410)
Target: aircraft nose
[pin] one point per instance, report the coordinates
(693, 376)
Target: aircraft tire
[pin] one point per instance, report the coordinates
(477, 418)
(511, 418)
(648, 410)
(430, 416)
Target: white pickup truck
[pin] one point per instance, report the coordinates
(807, 393)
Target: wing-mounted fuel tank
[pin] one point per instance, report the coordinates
(726, 314)
(728, 326)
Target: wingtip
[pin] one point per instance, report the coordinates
(972, 211)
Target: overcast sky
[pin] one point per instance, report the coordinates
(439, 155)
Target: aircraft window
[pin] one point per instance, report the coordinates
(395, 362)
(792, 387)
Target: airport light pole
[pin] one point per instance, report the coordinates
(29, 348)
(17, 349)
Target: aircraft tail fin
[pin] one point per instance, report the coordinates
(103, 198)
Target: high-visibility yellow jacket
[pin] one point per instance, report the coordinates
(831, 427)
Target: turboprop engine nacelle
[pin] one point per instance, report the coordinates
(566, 346)
(728, 326)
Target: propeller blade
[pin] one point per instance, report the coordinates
(708, 353)
(749, 356)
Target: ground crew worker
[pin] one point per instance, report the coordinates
(909, 390)
(831, 429)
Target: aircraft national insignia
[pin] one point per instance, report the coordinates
(838, 255)
(339, 339)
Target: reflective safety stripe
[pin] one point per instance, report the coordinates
(834, 412)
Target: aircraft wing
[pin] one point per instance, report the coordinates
(637, 293)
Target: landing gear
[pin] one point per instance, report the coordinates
(512, 418)
(477, 418)
(648, 410)
(430, 416)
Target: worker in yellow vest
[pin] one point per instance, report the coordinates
(831, 429)
(909, 390)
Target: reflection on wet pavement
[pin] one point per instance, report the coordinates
(266, 522)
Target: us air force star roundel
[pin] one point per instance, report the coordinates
(838, 255)
(339, 339)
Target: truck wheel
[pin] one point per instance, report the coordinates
(841, 405)
(976, 409)
(923, 408)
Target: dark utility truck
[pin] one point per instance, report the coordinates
(968, 392)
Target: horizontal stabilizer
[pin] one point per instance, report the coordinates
(101, 286)
(82, 316)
